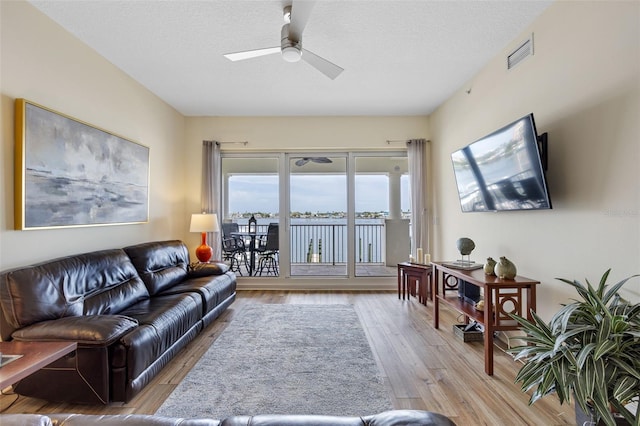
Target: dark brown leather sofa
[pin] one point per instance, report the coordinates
(387, 418)
(130, 310)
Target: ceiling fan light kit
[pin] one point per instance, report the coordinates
(295, 18)
(290, 49)
(291, 54)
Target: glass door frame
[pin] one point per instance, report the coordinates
(285, 280)
(289, 156)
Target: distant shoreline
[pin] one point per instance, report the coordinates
(315, 220)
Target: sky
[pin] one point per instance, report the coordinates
(312, 193)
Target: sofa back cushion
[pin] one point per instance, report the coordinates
(101, 282)
(160, 264)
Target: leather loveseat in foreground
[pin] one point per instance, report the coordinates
(387, 418)
(130, 311)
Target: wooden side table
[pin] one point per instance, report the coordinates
(35, 355)
(415, 278)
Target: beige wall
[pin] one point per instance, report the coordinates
(583, 86)
(45, 64)
(295, 133)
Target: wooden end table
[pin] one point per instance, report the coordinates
(415, 277)
(35, 355)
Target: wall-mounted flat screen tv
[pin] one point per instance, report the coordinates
(503, 170)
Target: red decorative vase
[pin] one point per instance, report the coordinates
(204, 252)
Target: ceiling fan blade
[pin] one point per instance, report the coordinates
(300, 12)
(329, 69)
(321, 160)
(248, 54)
(302, 162)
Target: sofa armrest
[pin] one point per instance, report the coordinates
(197, 270)
(90, 330)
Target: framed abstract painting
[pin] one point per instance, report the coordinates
(69, 173)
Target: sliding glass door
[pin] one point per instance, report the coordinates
(381, 234)
(318, 215)
(339, 214)
(251, 191)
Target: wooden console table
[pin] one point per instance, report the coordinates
(502, 297)
(415, 277)
(35, 355)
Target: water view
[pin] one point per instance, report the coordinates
(323, 239)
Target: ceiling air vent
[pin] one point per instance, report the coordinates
(520, 53)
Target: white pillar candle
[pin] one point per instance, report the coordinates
(411, 258)
(419, 254)
(427, 259)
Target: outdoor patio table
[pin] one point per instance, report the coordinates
(253, 236)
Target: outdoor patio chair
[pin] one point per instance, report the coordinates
(268, 252)
(234, 249)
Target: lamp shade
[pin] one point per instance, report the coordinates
(204, 223)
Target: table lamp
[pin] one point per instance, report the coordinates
(204, 223)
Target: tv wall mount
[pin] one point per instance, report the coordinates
(543, 148)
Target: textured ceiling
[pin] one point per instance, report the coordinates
(400, 57)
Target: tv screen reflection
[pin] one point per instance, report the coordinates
(502, 171)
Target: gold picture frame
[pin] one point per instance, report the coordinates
(69, 173)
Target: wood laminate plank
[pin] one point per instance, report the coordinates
(424, 368)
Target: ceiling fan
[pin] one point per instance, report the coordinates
(295, 18)
(320, 160)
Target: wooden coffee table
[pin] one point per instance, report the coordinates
(35, 355)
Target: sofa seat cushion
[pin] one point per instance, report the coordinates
(100, 330)
(160, 264)
(163, 321)
(213, 289)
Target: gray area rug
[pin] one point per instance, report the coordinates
(284, 359)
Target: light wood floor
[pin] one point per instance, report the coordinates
(424, 368)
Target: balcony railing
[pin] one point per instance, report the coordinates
(327, 243)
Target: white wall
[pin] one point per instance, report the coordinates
(45, 64)
(583, 86)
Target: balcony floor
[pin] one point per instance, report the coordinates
(327, 270)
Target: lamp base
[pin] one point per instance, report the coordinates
(204, 253)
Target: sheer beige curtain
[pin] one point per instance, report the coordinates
(418, 154)
(211, 196)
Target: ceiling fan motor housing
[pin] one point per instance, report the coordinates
(291, 50)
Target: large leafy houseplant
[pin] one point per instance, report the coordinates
(589, 349)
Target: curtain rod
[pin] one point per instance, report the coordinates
(230, 142)
(389, 142)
